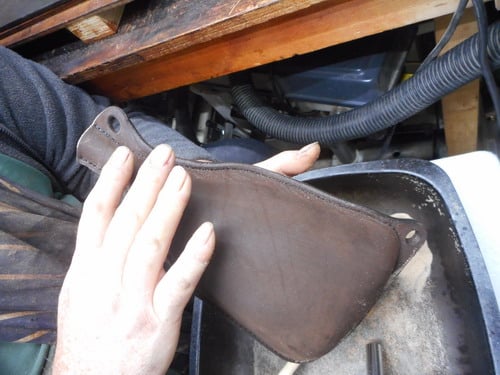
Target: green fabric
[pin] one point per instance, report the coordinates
(25, 175)
(71, 200)
(22, 359)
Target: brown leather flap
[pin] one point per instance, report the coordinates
(296, 267)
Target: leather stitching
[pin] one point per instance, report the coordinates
(116, 142)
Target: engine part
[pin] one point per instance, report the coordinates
(351, 83)
(345, 153)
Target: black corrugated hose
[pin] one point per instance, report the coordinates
(454, 69)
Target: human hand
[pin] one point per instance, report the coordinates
(291, 163)
(119, 312)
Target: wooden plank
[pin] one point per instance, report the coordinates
(182, 62)
(460, 116)
(461, 107)
(99, 26)
(59, 20)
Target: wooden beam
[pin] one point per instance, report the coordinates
(98, 26)
(461, 107)
(59, 20)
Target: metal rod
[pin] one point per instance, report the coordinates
(374, 354)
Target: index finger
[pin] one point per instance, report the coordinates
(101, 203)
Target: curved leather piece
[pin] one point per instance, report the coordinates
(296, 267)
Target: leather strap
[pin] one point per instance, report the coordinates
(294, 266)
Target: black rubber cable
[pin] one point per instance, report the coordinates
(387, 142)
(445, 74)
(450, 30)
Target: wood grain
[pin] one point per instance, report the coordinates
(59, 20)
(461, 107)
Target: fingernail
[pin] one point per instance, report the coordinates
(160, 156)
(204, 233)
(308, 148)
(119, 156)
(177, 178)
(203, 237)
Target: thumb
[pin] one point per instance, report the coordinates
(291, 163)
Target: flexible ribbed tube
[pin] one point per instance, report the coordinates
(454, 69)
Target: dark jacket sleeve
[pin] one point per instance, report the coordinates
(41, 119)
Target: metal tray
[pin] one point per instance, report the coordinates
(439, 315)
